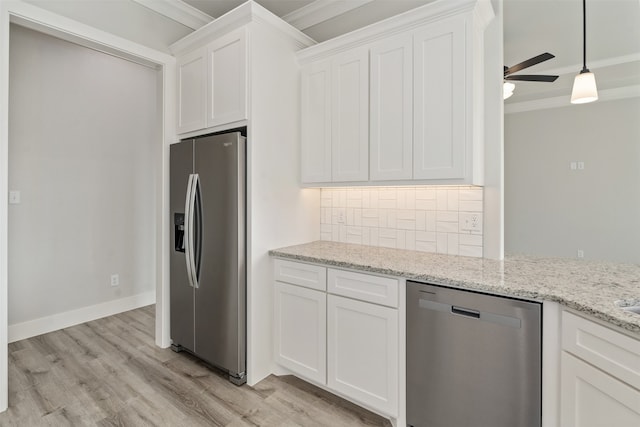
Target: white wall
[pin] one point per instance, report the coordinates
(553, 210)
(81, 136)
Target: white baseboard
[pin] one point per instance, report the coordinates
(43, 325)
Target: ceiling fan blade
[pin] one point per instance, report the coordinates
(528, 63)
(533, 78)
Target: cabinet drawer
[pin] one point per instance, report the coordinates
(365, 287)
(298, 273)
(611, 351)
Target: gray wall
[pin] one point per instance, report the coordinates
(81, 150)
(553, 210)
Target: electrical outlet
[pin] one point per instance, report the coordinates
(580, 253)
(341, 216)
(573, 166)
(580, 166)
(115, 280)
(471, 222)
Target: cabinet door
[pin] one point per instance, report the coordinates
(391, 115)
(362, 356)
(316, 123)
(301, 331)
(350, 116)
(440, 131)
(227, 72)
(192, 89)
(591, 398)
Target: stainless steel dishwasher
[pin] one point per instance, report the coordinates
(473, 360)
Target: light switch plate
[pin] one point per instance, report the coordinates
(14, 197)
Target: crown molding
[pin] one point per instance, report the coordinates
(564, 101)
(320, 11)
(178, 11)
(244, 14)
(401, 23)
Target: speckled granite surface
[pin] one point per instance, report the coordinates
(587, 286)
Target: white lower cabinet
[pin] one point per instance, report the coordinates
(600, 375)
(591, 398)
(301, 330)
(362, 357)
(344, 336)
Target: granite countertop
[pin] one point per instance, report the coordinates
(591, 287)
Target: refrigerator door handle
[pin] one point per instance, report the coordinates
(188, 229)
(196, 252)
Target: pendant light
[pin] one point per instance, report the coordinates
(584, 85)
(507, 89)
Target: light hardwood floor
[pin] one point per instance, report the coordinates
(110, 373)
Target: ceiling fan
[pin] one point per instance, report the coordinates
(508, 71)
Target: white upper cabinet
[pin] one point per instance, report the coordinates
(391, 138)
(227, 74)
(406, 100)
(316, 122)
(212, 83)
(192, 89)
(350, 116)
(439, 89)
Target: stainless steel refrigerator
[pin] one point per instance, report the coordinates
(208, 278)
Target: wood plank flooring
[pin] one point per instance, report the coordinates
(110, 373)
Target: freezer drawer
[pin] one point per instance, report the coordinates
(472, 359)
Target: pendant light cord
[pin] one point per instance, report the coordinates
(584, 37)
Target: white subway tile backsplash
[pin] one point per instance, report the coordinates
(446, 227)
(426, 204)
(452, 244)
(441, 200)
(387, 237)
(416, 218)
(475, 251)
(452, 200)
(370, 218)
(470, 193)
(470, 206)
(425, 193)
(410, 240)
(447, 216)
(374, 236)
(471, 239)
(382, 218)
(421, 220)
(430, 221)
(425, 246)
(387, 199)
(366, 236)
(442, 243)
(354, 235)
(354, 198)
(401, 239)
(425, 236)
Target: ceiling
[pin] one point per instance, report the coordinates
(531, 27)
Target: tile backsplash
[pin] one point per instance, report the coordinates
(424, 218)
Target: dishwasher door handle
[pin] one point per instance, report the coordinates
(499, 319)
(465, 312)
